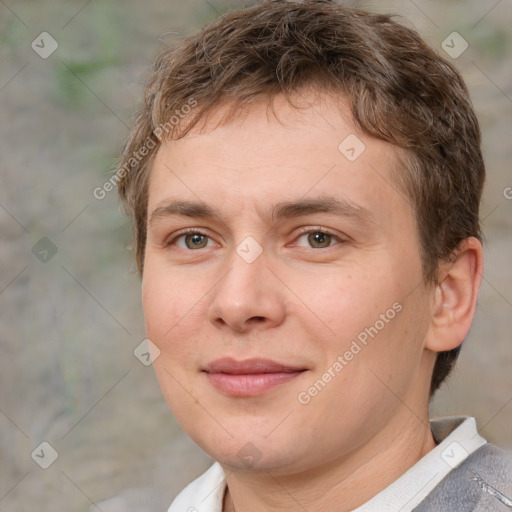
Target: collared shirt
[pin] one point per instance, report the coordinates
(457, 437)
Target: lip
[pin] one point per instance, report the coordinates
(250, 377)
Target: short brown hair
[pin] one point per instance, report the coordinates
(399, 89)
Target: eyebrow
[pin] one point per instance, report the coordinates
(283, 210)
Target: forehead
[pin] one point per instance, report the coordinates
(259, 158)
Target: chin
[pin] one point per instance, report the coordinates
(252, 449)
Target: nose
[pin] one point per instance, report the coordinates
(248, 297)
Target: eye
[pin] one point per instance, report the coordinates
(191, 239)
(317, 239)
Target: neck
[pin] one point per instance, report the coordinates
(344, 484)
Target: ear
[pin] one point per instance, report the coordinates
(455, 295)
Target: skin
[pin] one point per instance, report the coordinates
(298, 303)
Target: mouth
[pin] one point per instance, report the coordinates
(250, 377)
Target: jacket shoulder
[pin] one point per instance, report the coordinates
(481, 483)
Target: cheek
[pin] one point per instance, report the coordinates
(166, 303)
(365, 316)
(343, 302)
(168, 308)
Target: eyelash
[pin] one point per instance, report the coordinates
(320, 229)
(188, 231)
(301, 232)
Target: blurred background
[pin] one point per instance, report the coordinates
(71, 77)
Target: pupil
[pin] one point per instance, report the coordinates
(319, 238)
(196, 240)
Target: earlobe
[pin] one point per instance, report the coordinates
(455, 296)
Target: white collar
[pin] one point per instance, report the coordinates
(459, 438)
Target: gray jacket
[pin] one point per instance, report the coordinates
(482, 483)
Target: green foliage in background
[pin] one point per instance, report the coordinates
(99, 53)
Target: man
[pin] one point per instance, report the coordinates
(304, 181)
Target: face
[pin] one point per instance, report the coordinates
(282, 286)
